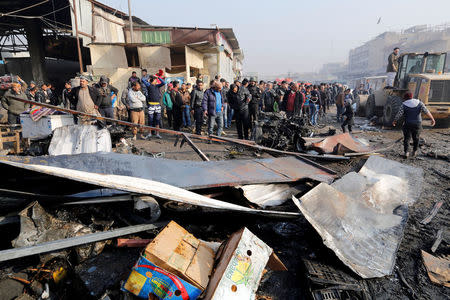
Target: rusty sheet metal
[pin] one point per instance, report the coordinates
(340, 144)
(146, 187)
(184, 174)
(438, 268)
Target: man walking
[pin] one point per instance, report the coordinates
(212, 105)
(412, 109)
(392, 68)
(196, 105)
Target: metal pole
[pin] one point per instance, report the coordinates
(80, 59)
(131, 22)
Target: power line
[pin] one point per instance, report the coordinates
(22, 9)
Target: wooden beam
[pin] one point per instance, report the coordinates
(74, 241)
(196, 149)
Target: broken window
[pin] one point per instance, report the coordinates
(132, 56)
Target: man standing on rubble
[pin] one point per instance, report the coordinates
(392, 68)
(196, 105)
(107, 93)
(340, 104)
(412, 109)
(238, 98)
(212, 105)
(154, 102)
(86, 99)
(254, 102)
(347, 114)
(14, 107)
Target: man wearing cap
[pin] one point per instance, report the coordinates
(392, 67)
(107, 93)
(14, 107)
(412, 109)
(86, 99)
(255, 101)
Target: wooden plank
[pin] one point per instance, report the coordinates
(74, 241)
(196, 149)
(432, 213)
(438, 240)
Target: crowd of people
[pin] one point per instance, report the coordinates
(213, 105)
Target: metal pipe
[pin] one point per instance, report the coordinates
(80, 59)
(131, 22)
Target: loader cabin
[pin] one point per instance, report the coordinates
(423, 75)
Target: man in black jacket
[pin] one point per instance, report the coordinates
(177, 107)
(255, 101)
(238, 98)
(85, 99)
(106, 93)
(196, 105)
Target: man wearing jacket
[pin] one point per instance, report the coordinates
(196, 105)
(269, 99)
(238, 98)
(86, 99)
(293, 101)
(340, 104)
(14, 107)
(255, 101)
(106, 93)
(392, 67)
(154, 102)
(177, 106)
(212, 105)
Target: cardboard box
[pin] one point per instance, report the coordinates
(147, 278)
(179, 252)
(240, 267)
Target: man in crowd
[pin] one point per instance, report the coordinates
(412, 109)
(196, 105)
(86, 99)
(133, 78)
(65, 95)
(135, 103)
(293, 101)
(145, 80)
(347, 115)
(226, 107)
(44, 93)
(238, 98)
(106, 93)
(255, 101)
(154, 102)
(270, 103)
(14, 107)
(323, 99)
(177, 106)
(340, 104)
(392, 67)
(212, 105)
(168, 105)
(186, 97)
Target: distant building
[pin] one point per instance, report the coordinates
(370, 59)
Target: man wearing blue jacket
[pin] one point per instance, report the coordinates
(212, 105)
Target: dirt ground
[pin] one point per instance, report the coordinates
(295, 239)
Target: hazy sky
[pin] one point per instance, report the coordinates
(296, 36)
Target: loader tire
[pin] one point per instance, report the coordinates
(391, 109)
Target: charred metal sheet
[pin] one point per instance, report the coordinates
(438, 268)
(362, 216)
(184, 174)
(147, 187)
(340, 144)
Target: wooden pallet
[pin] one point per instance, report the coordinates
(10, 133)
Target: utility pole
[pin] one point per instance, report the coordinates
(80, 58)
(131, 22)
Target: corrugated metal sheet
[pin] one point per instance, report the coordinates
(105, 30)
(156, 37)
(185, 174)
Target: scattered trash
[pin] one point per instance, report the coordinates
(362, 216)
(432, 213)
(265, 195)
(240, 266)
(437, 242)
(438, 268)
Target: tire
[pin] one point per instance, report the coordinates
(370, 106)
(299, 143)
(391, 109)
